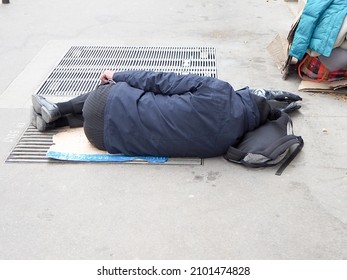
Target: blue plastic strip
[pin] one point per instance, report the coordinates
(103, 157)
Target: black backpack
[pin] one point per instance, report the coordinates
(268, 145)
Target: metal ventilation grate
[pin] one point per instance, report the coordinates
(78, 72)
(32, 146)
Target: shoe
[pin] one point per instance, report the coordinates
(49, 111)
(39, 123)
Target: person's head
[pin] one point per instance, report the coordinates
(93, 114)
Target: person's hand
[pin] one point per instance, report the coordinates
(283, 106)
(276, 95)
(106, 76)
(281, 100)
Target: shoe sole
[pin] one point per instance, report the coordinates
(36, 104)
(39, 109)
(47, 117)
(37, 121)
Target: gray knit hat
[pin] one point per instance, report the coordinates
(93, 114)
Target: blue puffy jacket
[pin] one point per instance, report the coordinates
(319, 26)
(150, 113)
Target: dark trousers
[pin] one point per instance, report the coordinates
(75, 118)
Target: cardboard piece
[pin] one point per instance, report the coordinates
(328, 87)
(73, 145)
(278, 49)
(73, 140)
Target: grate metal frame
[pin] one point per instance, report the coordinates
(79, 70)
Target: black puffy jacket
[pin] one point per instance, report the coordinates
(164, 114)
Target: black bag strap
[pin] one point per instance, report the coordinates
(289, 159)
(234, 154)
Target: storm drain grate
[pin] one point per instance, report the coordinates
(32, 146)
(79, 70)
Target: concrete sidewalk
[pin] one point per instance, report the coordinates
(214, 211)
